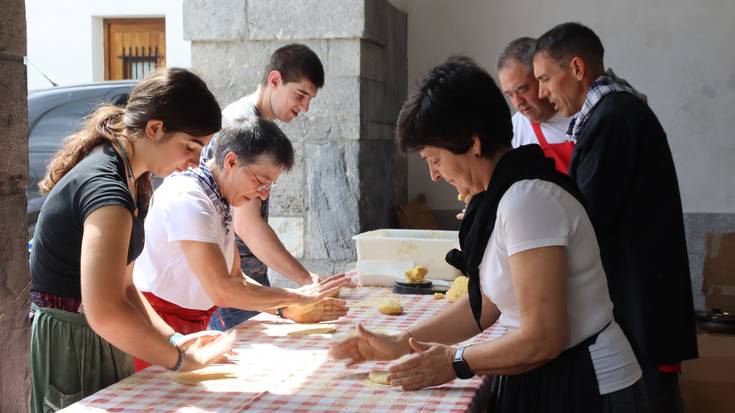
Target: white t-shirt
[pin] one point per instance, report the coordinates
(535, 214)
(234, 112)
(180, 211)
(554, 130)
(238, 110)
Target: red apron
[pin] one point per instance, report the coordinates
(561, 153)
(182, 320)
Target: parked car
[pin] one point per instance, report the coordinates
(54, 114)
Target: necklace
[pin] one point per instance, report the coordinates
(129, 169)
(127, 160)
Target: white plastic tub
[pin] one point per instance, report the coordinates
(387, 253)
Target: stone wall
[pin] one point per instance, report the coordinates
(14, 278)
(348, 177)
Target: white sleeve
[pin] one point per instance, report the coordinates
(531, 216)
(523, 133)
(516, 121)
(192, 217)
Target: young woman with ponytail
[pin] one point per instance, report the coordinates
(88, 317)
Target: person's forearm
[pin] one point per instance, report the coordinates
(247, 294)
(455, 323)
(516, 352)
(140, 303)
(264, 244)
(121, 323)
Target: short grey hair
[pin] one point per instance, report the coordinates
(520, 49)
(251, 138)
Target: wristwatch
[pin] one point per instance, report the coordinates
(461, 368)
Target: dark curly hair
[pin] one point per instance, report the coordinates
(456, 101)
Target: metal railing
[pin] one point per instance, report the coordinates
(139, 61)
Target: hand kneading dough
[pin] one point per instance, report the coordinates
(194, 377)
(390, 306)
(380, 377)
(318, 329)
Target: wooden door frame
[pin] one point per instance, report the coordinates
(106, 35)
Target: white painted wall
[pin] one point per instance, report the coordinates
(680, 53)
(65, 36)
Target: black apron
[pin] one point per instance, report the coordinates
(567, 384)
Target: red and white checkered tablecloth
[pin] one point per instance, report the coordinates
(281, 373)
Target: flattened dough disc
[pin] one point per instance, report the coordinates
(379, 376)
(192, 378)
(308, 330)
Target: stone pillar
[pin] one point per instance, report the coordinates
(348, 177)
(14, 278)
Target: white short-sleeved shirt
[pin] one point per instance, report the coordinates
(234, 112)
(535, 214)
(180, 211)
(238, 110)
(554, 130)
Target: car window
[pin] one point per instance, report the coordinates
(47, 135)
(120, 99)
(49, 127)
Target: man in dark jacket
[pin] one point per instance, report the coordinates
(623, 165)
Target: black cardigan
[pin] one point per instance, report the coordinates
(623, 166)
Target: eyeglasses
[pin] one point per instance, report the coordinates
(263, 186)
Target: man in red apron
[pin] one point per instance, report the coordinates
(535, 121)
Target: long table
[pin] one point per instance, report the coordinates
(277, 372)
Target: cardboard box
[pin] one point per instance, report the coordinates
(719, 272)
(708, 383)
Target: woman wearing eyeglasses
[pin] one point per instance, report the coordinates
(191, 265)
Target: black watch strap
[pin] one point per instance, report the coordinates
(461, 368)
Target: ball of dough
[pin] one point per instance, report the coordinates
(390, 306)
(416, 274)
(438, 296)
(458, 288)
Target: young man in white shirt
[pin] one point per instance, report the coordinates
(290, 81)
(536, 121)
